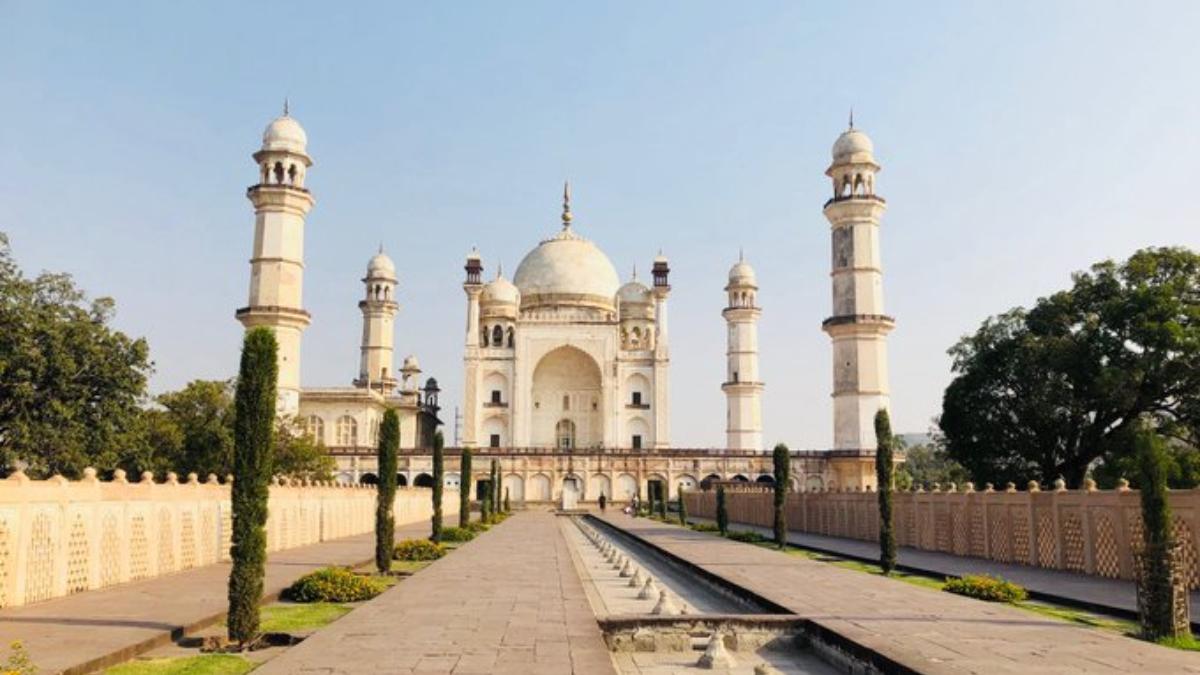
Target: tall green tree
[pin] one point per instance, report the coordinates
(1157, 585)
(682, 508)
(722, 511)
(884, 480)
(385, 515)
(497, 504)
(298, 455)
(439, 482)
(71, 386)
(254, 426)
(465, 483)
(781, 459)
(203, 412)
(1050, 390)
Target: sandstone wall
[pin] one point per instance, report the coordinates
(1087, 531)
(59, 537)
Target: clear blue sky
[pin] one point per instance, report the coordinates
(1020, 141)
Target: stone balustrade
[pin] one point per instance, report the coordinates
(1088, 531)
(59, 537)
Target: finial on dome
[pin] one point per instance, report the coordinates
(285, 106)
(499, 269)
(741, 254)
(381, 247)
(566, 212)
(635, 271)
(851, 117)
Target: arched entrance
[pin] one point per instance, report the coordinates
(515, 487)
(599, 484)
(539, 488)
(401, 480)
(369, 479)
(567, 401)
(765, 479)
(423, 480)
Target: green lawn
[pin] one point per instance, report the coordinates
(209, 664)
(409, 566)
(297, 617)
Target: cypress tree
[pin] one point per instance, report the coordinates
(465, 483)
(385, 498)
(1157, 601)
(485, 504)
(682, 508)
(438, 486)
(507, 506)
(782, 480)
(884, 478)
(496, 485)
(722, 512)
(662, 501)
(253, 430)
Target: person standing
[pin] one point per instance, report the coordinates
(603, 502)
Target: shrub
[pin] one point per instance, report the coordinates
(746, 536)
(722, 511)
(419, 549)
(705, 527)
(334, 584)
(457, 534)
(477, 526)
(984, 587)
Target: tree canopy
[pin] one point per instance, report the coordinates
(70, 385)
(1051, 390)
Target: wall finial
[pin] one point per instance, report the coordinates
(285, 106)
(566, 212)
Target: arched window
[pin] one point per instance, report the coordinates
(314, 428)
(292, 174)
(564, 431)
(510, 337)
(279, 172)
(566, 402)
(347, 431)
(497, 336)
(485, 336)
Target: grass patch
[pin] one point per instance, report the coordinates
(1188, 643)
(1080, 617)
(409, 566)
(289, 618)
(209, 664)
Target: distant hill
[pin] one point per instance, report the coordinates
(914, 439)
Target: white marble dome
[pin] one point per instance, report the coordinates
(742, 274)
(381, 266)
(411, 363)
(500, 291)
(853, 146)
(567, 270)
(284, 133)
(635, 291)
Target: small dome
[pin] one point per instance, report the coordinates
(660, 258)
(381, 266)
(285, 133)
(742, 273)
(500, 291)
(473, 255)
(853, 146)
(410, 363)
(634, 292)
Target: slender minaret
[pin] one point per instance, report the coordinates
(379, 309)
(473, 287)
(281, 204)
(661, 272)
(858, 327)
(742, 387)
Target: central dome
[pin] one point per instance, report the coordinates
(566, 270)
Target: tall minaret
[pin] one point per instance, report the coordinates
(661, 272)
(858, 327)
(742, 387)
(379, 309)
(281, 204)
(473, 287)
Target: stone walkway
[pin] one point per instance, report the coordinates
(1091, 592)
(508, 602)
(83, 632)
(926, 630)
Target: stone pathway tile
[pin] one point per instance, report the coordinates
(509, 601)
(83, 632)
(923, 629)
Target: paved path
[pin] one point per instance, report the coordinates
(83, 632)
(508, 602)
(1092, 592)
(923, 629)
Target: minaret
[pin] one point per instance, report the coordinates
(281, 204)
(379, 309)
(742, 387)
(661, 270)
(858, 327)
(473, 287)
